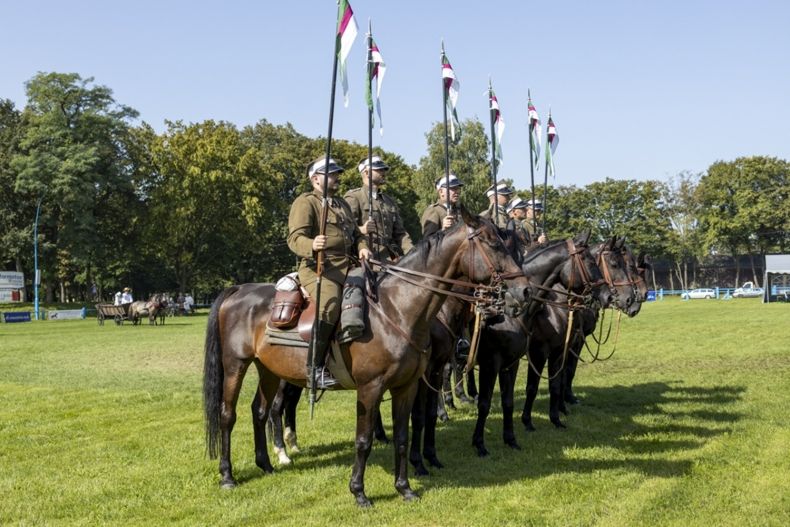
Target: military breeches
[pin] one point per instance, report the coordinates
(331, 294)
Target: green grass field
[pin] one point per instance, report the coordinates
(686, 425)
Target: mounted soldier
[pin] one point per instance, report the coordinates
(342, 241)
(436, 217)
(501, 195)
(380, 218)
(520, 212)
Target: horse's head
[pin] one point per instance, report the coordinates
(580, 273)
(610, 260)
(484, 258)
(637, 270)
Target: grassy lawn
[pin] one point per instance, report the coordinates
(686, 425)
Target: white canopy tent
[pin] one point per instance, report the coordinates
(775, 264)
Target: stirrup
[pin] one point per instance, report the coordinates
(324, 379)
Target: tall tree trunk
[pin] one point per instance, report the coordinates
(672, 280)
(754, 270)
(50, 294)
(62, 293)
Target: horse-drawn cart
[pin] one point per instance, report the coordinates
(116, 313)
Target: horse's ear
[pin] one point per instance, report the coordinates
(470, 219)
(582, 238)
(619, 243)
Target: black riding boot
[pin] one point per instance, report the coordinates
(323, 377)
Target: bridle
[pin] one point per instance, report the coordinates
(638, 281)
(489, 294)
(574, 300)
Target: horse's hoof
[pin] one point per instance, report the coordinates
(410, 495)
(384, 440)
(363, 501)
(228, 484)
(572, 400)
(528, 424)
(558, 424)
(513, 444)
(420, 470)
(482, 451)
(564, 410)
(434, 462)
(282, 457)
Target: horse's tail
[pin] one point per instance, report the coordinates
(213, 375)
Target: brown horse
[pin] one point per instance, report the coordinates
(391, 355)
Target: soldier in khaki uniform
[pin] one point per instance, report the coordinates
(342, 240)
(435, 217)
(503, 193)
(385, 229)
(520, 211)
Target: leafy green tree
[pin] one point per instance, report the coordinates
(685, 241)
(16, 216)
(72, 154)
(744, 206)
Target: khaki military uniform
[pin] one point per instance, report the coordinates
(489, 214)
(343, 240)
(434, 215)
(390, 239)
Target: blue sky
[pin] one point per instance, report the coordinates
(637, 89)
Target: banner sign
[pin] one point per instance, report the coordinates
(65, 314)
(17, 316)
(12, 280)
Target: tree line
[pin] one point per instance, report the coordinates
(203, 205)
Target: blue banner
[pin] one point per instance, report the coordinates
(17, 316)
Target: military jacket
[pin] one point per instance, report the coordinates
(489, 214)
(343, 236)
(433, 216)
(390, 238)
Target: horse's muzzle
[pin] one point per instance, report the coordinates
(516, 300)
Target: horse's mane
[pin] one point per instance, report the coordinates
(531, 255)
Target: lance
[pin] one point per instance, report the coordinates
(312, 351)
(493, 152)
(446, 140)
(545, 177)
(370, 128)
(531, 165)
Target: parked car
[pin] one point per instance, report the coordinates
(699, 293)
(747, 290)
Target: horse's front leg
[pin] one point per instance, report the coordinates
(402, 403)
(487, 380)
(507, 384)
(418, 412)
(536, 361)
(368, 398)
(555, 388)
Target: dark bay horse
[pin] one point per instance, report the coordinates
(636, 269)
(391, 355)
(547, 341)
(503, 343)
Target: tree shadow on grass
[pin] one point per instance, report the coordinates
(632, 424)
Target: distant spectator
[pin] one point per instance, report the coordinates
(118, 298)
(188, 303)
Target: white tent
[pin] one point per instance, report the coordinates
(775, 264)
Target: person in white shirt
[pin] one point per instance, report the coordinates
(188, 302)
(126, 298)
(118, 298)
